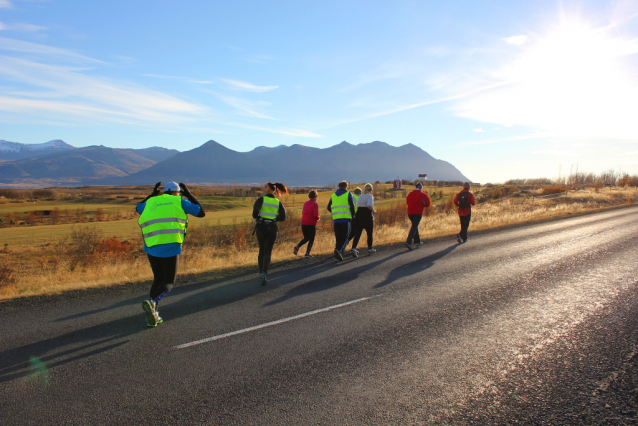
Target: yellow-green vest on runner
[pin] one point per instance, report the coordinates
(270, 208)
(340, 206)
(356, 198)
(163, 220)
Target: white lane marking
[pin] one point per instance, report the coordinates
(268, 324)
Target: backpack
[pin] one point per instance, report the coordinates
(463, 200)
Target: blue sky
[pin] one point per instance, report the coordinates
(501, 90)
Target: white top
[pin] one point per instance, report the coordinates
(365, 200)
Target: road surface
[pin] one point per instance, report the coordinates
(533, 324)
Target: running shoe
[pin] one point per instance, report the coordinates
(338, 255)
(372, 250)
(295, 250)
(308, 256)
(458, 238)
(262, 279)
(354, 253)
(151, 315)
(408, 246)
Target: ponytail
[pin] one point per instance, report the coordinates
(277, 188)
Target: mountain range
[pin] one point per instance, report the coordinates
(57, 162)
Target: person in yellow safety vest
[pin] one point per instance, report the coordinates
(267, 211)
(163, 219)
(341, 206)
(355, 194)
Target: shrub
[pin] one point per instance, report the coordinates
(548, 190)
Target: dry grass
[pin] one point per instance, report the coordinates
(84, 259)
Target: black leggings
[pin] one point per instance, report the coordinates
(465, 224)
(266, 236)
(164, 274)
(309, 232)
(363, 220)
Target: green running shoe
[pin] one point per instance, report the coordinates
(151, 315)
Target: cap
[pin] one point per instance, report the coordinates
(466, 185)
(172, 186)
(419, 186)
(357, 191)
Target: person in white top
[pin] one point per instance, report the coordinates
(363, 219)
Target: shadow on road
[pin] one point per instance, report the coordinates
(335, 280)
(415, 267)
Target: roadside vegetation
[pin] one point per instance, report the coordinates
(95, 241)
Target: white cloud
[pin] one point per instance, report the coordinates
(517, 40)
(28, 47)
(236, 84)
(479, 130)
(572, 83)
(21, 27)
(5, 4)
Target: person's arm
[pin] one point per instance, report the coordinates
(191, 198)
(370, 204)
(257, 207)
(329, 208)
(426, 200)
(281, 214)
(315, 211)
(155, 192)
(472, 199)
(456, 200)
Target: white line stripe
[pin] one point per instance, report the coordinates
(268, 324)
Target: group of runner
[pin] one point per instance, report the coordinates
(163, 219)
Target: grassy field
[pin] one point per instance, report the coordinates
(45, 258)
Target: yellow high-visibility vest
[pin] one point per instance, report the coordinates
(270, 208)
(340, 206)
(163, 220)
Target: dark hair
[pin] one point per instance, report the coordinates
(312, 194)
(343, 184)
(278, 188)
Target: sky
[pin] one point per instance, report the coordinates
(500, 89)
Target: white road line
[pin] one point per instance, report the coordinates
(268, 324)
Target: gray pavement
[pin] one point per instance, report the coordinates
(533, 324)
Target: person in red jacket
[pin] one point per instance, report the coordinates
(309, 218)
(464, 200)
(417, 201)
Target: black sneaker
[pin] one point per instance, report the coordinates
(295, 250)
(458, 238)
(408, 246)
(338, 255)
(262, 279)
(354, 253)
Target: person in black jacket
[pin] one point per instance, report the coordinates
(267, 211)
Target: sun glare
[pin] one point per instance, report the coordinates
(571, 82)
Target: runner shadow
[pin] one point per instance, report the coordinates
(415, 267)
(335, 280)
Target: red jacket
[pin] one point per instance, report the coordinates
(417, 200)
(470, 200)
(310, 212)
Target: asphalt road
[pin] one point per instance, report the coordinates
(533, 324)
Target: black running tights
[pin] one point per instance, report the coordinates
(266, 236)
(164, 274)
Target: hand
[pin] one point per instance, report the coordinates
(184, 189)
(156, 190)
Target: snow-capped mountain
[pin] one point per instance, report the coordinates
(16, 150)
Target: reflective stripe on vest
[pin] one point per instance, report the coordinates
(270, 208)
(163, 220)
(340, 206)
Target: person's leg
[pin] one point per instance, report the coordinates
(310, 233)
(415, 219)
(261, 240)
(346, 229)
(465, 224)
(305, 232)
(269, 243)
(369, 230)
(357, 229)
